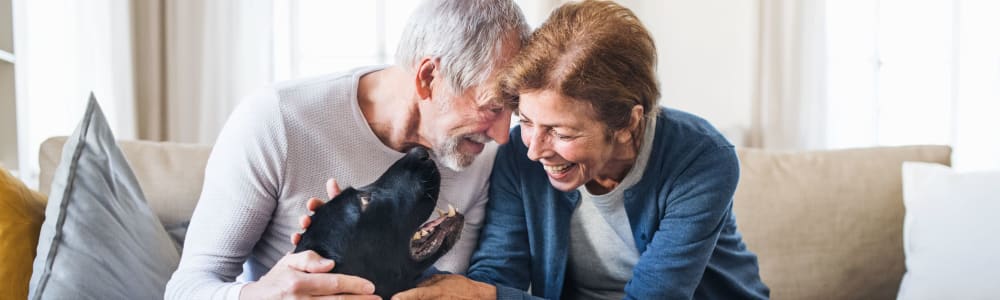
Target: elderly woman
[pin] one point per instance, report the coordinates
(601, 193)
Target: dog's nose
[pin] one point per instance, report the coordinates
(421, 153)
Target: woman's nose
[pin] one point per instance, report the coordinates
(536, 144)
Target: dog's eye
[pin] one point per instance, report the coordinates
(365, 199)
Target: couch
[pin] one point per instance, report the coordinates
(824, 224)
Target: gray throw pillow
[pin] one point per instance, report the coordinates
(177, 231)
(100, 239)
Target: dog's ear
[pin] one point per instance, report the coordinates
(364, 198)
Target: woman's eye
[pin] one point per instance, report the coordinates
(561, 136)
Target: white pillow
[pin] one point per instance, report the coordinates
(951, 233)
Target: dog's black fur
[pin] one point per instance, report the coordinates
(371, 231)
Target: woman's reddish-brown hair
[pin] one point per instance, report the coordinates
(592, 51)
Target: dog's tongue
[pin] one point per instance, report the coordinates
(434, 223)
(428, 228)
(442, 215)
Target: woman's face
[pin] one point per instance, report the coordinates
(574, 147)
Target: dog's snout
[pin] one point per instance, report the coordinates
(420, 153)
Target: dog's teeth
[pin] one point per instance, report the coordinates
(416, 235)
(424, 232)
(451, 210)
(441, 212)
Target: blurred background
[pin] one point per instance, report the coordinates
(795, 75)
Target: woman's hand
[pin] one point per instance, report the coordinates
(449, 286)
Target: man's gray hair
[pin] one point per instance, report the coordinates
(466, 35)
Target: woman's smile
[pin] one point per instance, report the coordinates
(558, 171)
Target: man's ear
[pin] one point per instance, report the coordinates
(427, 71)
(632, 131)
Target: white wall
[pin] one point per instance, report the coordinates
(707, 57)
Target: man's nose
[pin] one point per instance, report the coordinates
(499, 129)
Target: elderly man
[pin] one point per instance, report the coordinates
(280, 145)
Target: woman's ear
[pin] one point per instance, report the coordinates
(630, 133)
(426, 72)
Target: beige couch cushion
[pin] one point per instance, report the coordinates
(827, 224)
(170, 174)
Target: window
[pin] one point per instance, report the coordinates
(316, 36)
(915, 72)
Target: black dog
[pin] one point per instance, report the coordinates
(375, 231)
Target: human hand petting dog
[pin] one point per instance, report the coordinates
(448, 286)
(332, 190)
(305, 274)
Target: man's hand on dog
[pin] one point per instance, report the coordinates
(332, 190)
(305, 274)
(449, 286)
(437, 287)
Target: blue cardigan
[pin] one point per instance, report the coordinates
(680, 213)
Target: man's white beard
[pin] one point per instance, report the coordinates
(446, 153)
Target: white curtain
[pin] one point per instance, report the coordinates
(66, 50)
(790, 98)
(216, 52)
(195, 60)
(977, 93)
(162, 70)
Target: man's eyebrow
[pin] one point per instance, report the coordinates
(489, 104)
(489, 100)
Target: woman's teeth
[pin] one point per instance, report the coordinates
(555, 169)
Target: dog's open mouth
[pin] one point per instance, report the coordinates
(439, 234)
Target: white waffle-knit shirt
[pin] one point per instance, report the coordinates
(277, 150)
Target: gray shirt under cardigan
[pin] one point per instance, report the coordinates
(602, 251)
